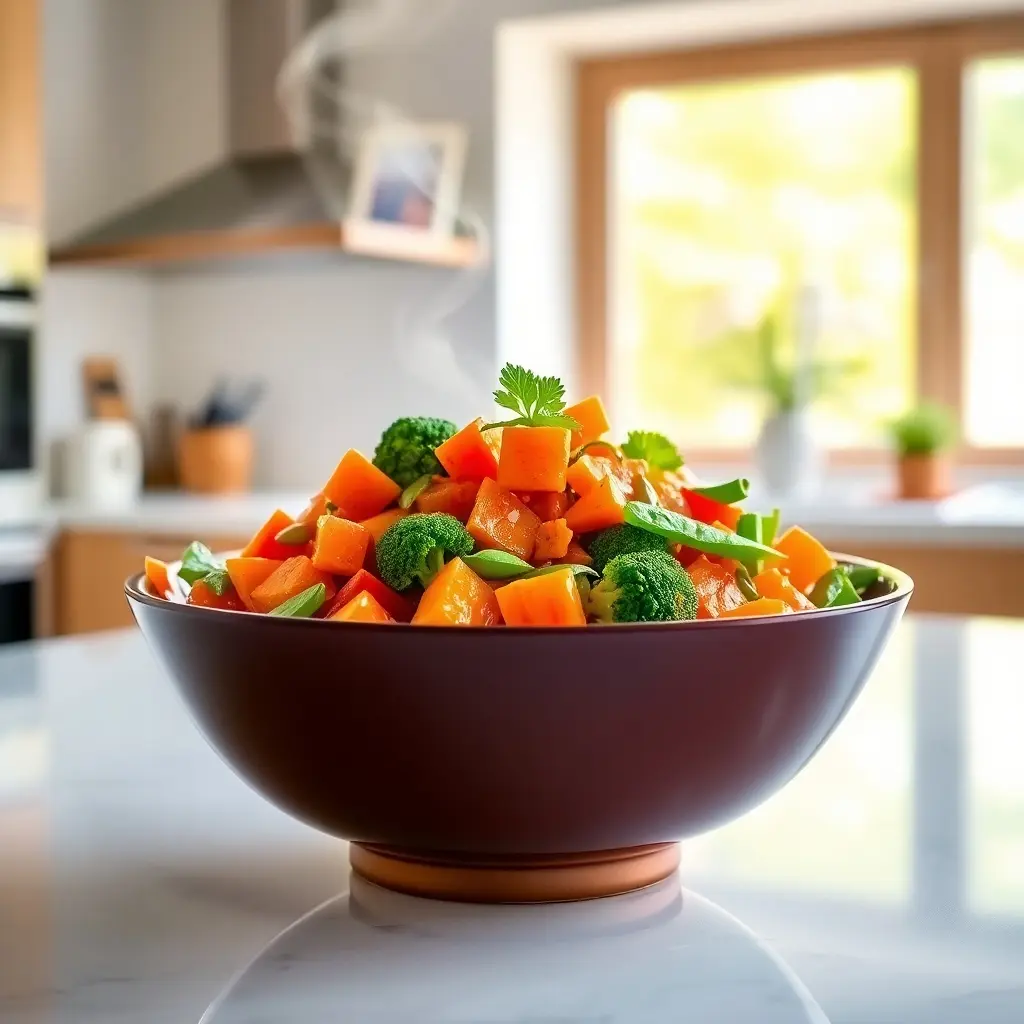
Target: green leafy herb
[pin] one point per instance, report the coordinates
(218, 581)
(304, 605)
(834, 590)
(728, 493)
(295, 535)
(414, 490)
(862, 576)
(497, 565)
(536, 401)
(683, 530)
(197, 562)
(656, 448)
(577, 570)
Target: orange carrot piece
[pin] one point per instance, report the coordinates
(771, 583)
(157, 578)
(717, 590)
(394, 604)
(546, 505)
(362, 608)
(453, 497)
(807, 559)
(290, 578)
(591, 417)
(340, 546)
(457, 597)
(263, 544)
(587, 472)
(247, 574)
(500, 520)
(549, 600)
(669, 488)
(204, 596)
(762, 606)
(553, 539)
(378, 525)
(471, 454)
(533, 458)
(575, 555)
(599, 508)
(359, 488)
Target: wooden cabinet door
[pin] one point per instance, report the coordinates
(21, 184)
(90, 570)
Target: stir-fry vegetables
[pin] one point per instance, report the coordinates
(536, 520)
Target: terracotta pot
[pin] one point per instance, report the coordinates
(217, 460)
(923, 477)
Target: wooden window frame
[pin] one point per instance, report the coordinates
(938, 53)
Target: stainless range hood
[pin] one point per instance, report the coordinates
(261, 197)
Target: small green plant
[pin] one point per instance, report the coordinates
(923, 430)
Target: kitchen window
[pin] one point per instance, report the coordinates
(859, 198)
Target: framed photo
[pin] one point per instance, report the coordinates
(408, 181)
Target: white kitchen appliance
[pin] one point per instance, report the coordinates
(103, 464)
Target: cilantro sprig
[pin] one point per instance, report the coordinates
(657, 449)
(537, 401)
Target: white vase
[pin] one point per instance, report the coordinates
(788, 460)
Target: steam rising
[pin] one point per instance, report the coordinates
(329, 121)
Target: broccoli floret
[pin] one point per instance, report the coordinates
(406, 449)
(414, 548)
(624, 539)
(646, 586)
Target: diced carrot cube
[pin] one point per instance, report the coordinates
(771, 583)
(471, 454)
(807, 559)
(546, 505)
(500, 520)
(362, 608)
(549, 600)
(762, 606)
(453, 497)
(576, 555)
(359, 488)
(204, 596)
(290, 578)
(599, 508)
(591, 417)
(717, 589)
(533, 458)
(457, 597)
(316, 508)
(340, 546)
(553, 539)
(378, 525)
(263, 544)
(157, 578)
(247, 574)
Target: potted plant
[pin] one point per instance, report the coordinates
(921, 437)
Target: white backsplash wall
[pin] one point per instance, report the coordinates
(322, 335)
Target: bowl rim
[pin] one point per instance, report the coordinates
(904, 588)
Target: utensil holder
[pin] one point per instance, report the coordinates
(216, 460)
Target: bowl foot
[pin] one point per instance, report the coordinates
(547, 878)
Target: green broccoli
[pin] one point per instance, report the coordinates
(414, 548)
(646, 586)
(623, 539)
(406, 449)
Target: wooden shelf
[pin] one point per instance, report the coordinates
(358, 240)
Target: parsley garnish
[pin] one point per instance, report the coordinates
(655, 448)
(537, 401)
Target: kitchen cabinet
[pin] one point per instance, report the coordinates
(89, 569)
(21, 174)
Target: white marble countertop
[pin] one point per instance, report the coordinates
(141, 881)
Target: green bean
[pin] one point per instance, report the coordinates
(497, 565)
(728, 493)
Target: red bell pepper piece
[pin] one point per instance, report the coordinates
(709, 511)
(398, 607)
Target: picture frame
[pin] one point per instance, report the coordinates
(407, 184)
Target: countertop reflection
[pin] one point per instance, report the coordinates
(885, 884)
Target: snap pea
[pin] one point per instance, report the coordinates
(579, 571)
(414, 490)
(497, 565)
(304, 605)
(834, 590)
(862, 576)
(699, 536)
(728, 493)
